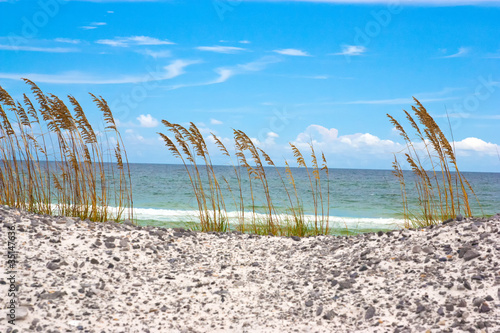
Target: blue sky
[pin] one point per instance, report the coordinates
(282, 71)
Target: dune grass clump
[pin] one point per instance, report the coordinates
(210, 189)
(209, 196)
(443, 192)
(52, 161)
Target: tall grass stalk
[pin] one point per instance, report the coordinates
(443, 192)
(190, 147)
(52, 160)
(209, 197)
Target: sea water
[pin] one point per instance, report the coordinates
(359, 199)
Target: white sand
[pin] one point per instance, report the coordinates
(72, 279)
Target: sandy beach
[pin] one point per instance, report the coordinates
(78, 276)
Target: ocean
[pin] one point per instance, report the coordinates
(360, 199)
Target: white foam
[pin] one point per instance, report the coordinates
(173, 215)
(178, 215)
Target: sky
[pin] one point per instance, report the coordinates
(325, 71)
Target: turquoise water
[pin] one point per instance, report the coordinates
(359, 198)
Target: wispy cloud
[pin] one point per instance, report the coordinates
(241, 41)
(134, 137)
(93, 25)
(254, 66)
(37, 49)
(257, 65)
(317, 77)
(351, 50)
(215, 122)
(225, 73)
(292, 52)
(462, 52)
(176, 68)
(221, 49)
(133, 40)
(67, 40)
(157, 54)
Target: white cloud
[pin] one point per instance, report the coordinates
(225, 73)
(462, 52)
(37, 49)
(139, 138)
(133, 40)
(253, 66)
(205, 130)
(157, 54)
(215, 122)
(493, 116)
(329, 141)
(472, 144)
(316, 131)
(67, 40)
(267, 142)
(244, 42)
(318, 77)
(93, 25)
(257, 65)
(134, 137)
(352, 50)
(147, 121)
(292, 52)
(221, 49)
(175, 69)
